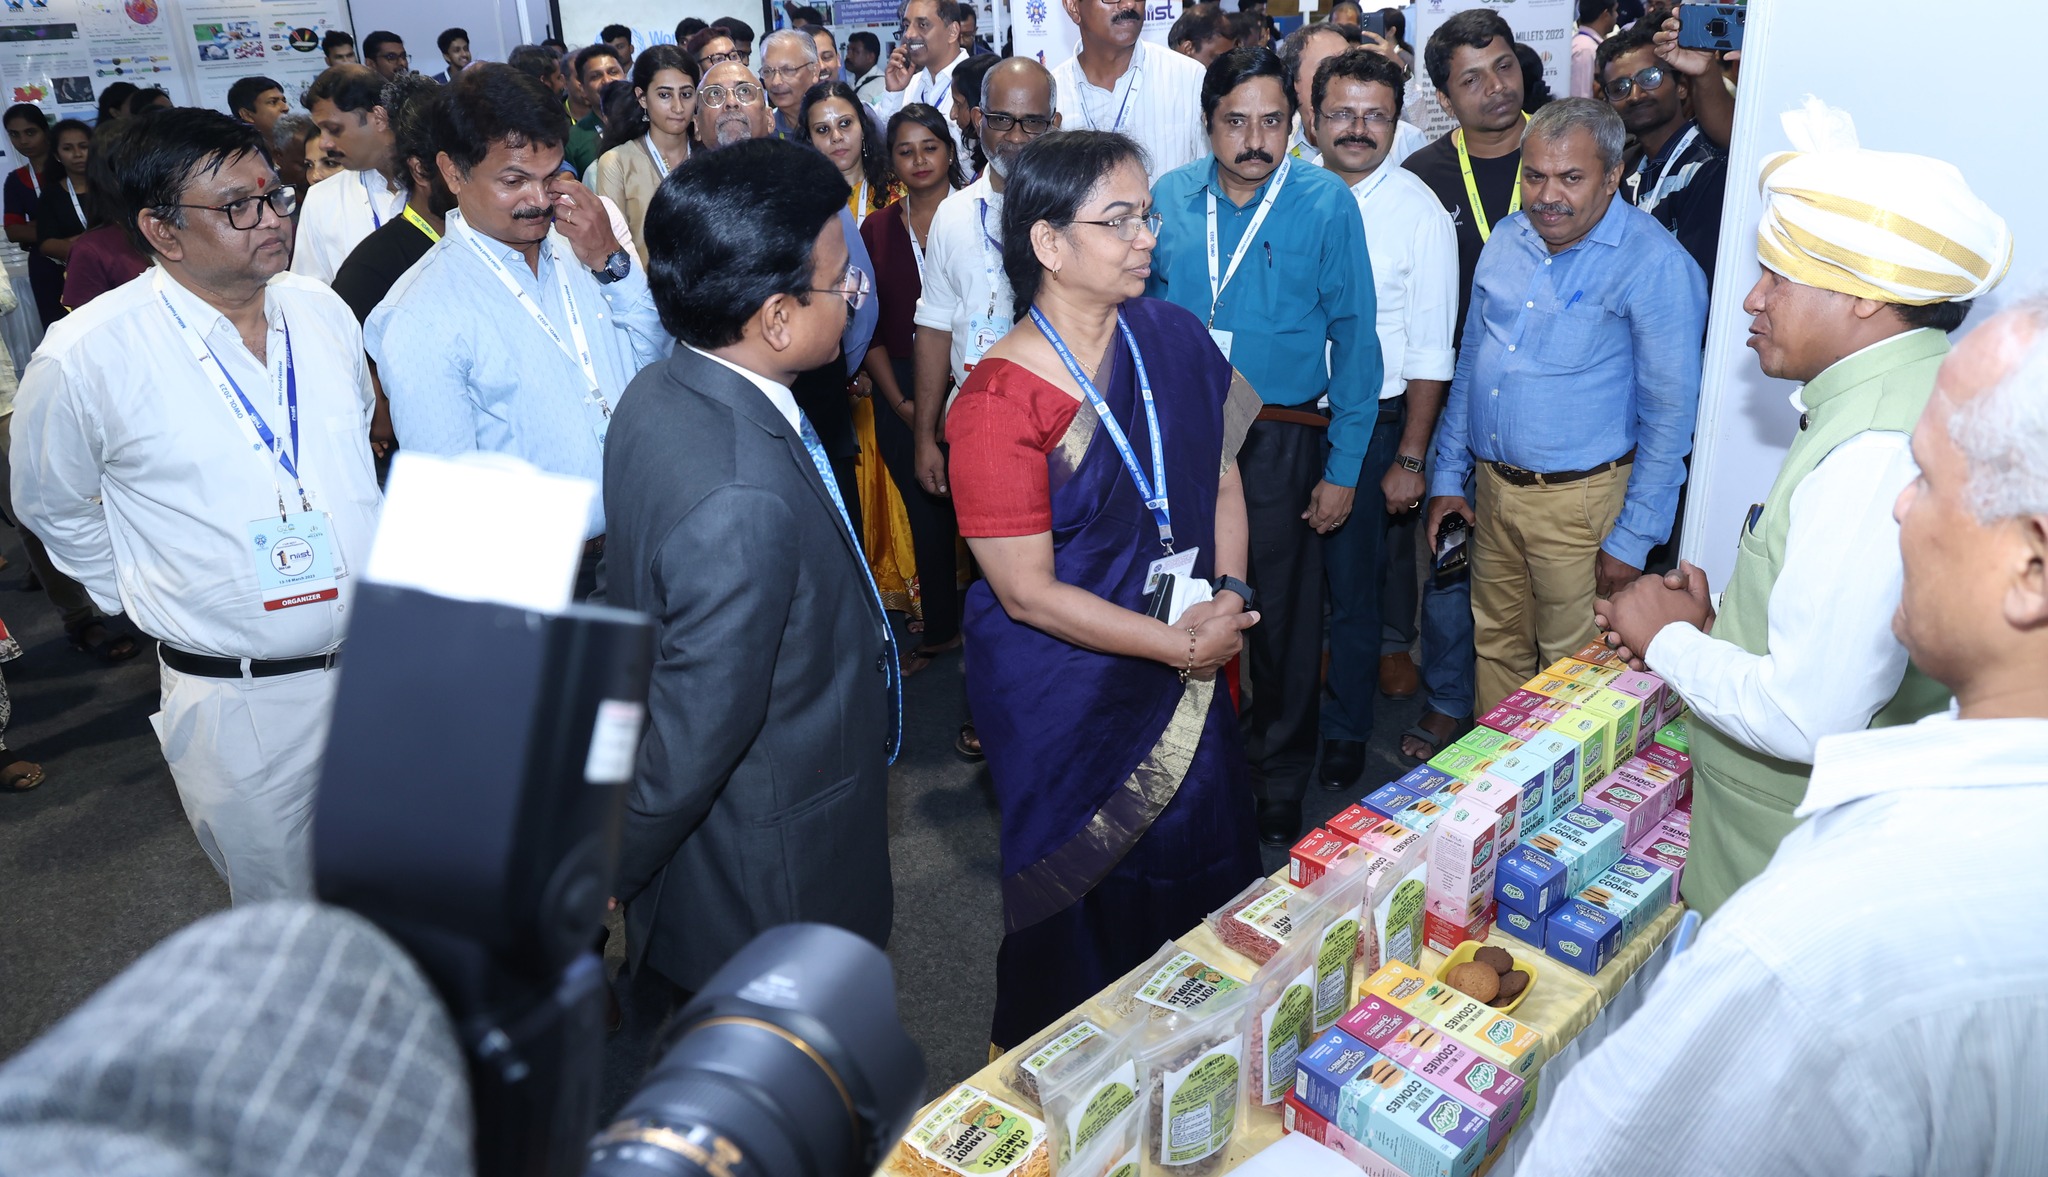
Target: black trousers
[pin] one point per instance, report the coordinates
(1280, 464)
(934, 530)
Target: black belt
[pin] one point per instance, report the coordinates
(1516, 476)
(208, 666)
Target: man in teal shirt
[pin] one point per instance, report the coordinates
(1272, 258)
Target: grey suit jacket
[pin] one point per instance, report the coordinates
(761, 793)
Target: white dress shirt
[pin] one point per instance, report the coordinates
(143, 484)
(335, 216)
(933, 88)
(1832, 661)
(1872, 1003)
(1407, 141)
(778, 395)
(1414, 275)
(1164, 114)
(963, 270)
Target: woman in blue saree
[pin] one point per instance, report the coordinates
(1126, 800)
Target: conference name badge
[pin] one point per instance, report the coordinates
(982, 335)
(294, 559)
(1223, 340)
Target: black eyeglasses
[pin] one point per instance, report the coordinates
(1649, 79)
(283, 201)
(1033, 124)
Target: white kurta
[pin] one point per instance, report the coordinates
(334, 217)
(1164, 114)
(142, 484)
(1871, 1003)
(1832, 661)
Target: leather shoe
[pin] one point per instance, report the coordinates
(1398, 677)
(1343, 763)
(1279, 822)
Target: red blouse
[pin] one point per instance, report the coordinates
(1000, 429)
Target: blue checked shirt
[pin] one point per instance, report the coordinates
(1573, 359)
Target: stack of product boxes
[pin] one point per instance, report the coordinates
(1417, 1079)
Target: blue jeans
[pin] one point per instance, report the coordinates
(1354, 558)
(1448, 674)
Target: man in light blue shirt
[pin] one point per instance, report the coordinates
(519, 330)
(1578, 378)
(1287, 292)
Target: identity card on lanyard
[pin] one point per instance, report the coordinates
(294, 553)
(984, 329)
(578, 350)
(1218, 281)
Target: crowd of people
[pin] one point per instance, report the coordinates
(1160, 383)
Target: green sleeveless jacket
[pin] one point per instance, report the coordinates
(1743, 799)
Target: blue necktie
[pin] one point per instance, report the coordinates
(824, 465)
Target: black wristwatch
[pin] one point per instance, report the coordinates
(1231, 584)
(615, 267)
(1407, 463)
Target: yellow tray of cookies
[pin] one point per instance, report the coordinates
(1464, 955)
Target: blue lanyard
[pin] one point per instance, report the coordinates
(1156, 504)
(291, 400)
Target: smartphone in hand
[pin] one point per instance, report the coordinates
(1453, 552)
(1717, 27)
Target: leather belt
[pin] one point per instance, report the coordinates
(1516, 476)
(1307, 417)
(209, 666)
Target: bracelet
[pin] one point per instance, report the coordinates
(1190, 667)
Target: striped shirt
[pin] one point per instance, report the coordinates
(1164, 114)
(1873, 1003)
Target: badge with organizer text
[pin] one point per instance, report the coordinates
(294, 559)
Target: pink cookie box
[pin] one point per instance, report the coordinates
(1666, 845)
(1639, 801)
(1460, 1072)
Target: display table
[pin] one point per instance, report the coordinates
(1563, 1006)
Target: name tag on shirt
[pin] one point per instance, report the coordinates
(982, 333)
(295, 561)
(1187, 590)
(1223, 339)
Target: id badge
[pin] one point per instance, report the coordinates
(295, 563)
(1222, 339)
(982, 334)
(1180, 564)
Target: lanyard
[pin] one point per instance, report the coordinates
(419, 222)
(376, 218)
(580, 350)
(1244, 243)
(1156, 504)
(944, 80)
(991, 254)
(75, 206)
(285, 380)
(916, 250)
(654, 153)
(1655, 197)
(35, 181)
(1135, 75)
(1472, 186)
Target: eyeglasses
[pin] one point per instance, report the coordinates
(854, 287)
(743, 94)
(284, 201)
(771, 73)
(711, 59)
(1371, 120)
(1033, 124)
(1649, 79)
(1126, 228)
(395, 57)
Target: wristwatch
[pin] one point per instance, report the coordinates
(1231, 584)
(1407, 463)
(615, 267)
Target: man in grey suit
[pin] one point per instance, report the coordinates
(761, 793)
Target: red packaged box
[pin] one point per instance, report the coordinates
(1312, 856)
(1298, 1118)
(1503, 719)
(1354, 823)
(1597, 652)
(1444, 935)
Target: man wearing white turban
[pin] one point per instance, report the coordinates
(1869, 259)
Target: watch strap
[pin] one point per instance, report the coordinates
(1231, 584)
(1408, 462)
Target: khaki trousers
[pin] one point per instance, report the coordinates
(1533, 556)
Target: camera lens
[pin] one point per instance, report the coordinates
(790, 1063)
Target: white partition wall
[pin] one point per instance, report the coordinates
(1938, 91)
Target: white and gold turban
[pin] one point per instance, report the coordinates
(1874, 224)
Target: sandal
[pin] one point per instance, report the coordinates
(1433, 741)
(967, 745)
(108, 646)
(918, 657)
(20, 776)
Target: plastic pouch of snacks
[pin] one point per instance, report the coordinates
(1082, 1035)
(1092, 1108)
(1338, 923)
(970, 1133)
(1282, 1019)
(1396, 896)
(1258, 921)
(1175, 981)
(1192, 1067)
(1117, 1152)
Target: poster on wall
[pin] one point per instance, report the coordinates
(1543, 25)
(1045, 32)
(231, 39)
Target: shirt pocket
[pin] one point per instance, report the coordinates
(1572, 339)
(1294, 285)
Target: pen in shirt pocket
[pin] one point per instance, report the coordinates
(1269, 253)
(1576, 296)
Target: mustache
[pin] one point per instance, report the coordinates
(1557, 208)
(1128, 15)
(1255, 153)
(531, 214)
(913, 44)
(1365, 141)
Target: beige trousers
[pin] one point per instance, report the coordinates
(1533, 555)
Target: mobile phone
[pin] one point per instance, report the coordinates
(1374, 22)
(1453, 553)
(1711, 26)
(1159, 602)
